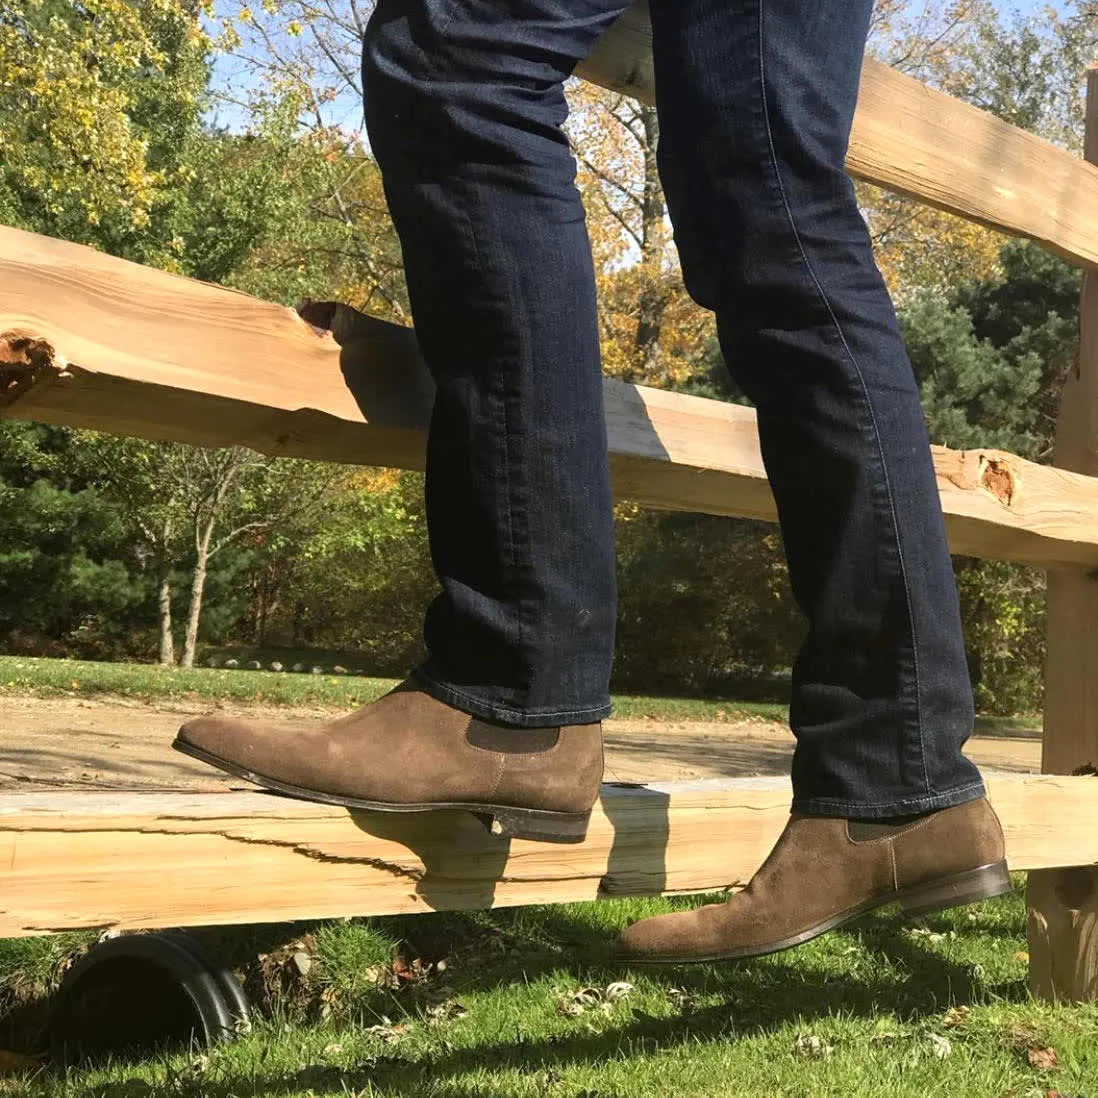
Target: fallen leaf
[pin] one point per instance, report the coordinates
(192, 1072)
(448, 1011)
(618, 990)
(1043, 1058)
(956, 1016)
(387, 1031)
(410, 972)
(1022, 956)
(1022, 1038)
(576, 1002)
(941, 1046)
(811, 1046)
(681, 998)
(925, 932)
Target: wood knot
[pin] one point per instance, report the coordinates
(997, 477)
(26, 359)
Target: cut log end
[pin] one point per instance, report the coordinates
(27, 361)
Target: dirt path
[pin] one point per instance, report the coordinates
(117, 743)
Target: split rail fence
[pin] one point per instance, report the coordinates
(99, 342)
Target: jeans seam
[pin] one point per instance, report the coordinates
(861, 381)
(506, 709)
(894, 801)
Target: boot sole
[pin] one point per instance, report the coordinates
(972, 886)
(506, 821)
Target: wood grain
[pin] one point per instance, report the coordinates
(1063, 904)
(917, 141)
(129, 860)
(153, 355)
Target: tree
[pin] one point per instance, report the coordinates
(651, 330)
(1026, 69)
(94, 100)
(228, 494)
(991, 361)
(68, 580)
(185, 506)
(357, 576)
(301, 59)
(141, 480)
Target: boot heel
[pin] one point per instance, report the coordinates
(965, 888)
(542, 827)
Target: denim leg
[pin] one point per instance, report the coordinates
(756, 100)
(464, 105)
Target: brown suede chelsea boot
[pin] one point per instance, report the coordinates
(824, 872)
(408, 752)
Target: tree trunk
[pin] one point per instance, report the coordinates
(167, 645)
(198, 587)
(266, 601)
(653, 302)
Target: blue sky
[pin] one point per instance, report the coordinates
(226, 70)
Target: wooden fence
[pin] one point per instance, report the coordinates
(93, 341)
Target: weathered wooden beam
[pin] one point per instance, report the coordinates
(1063, 904)
(128, 349)
(920, 142)
(194, 382)
(124, 860)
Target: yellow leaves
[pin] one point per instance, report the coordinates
(375, 481)
(69, 139)
(685, 328)
(918, 246)
(294, 28)
(229, 39)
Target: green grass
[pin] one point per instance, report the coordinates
(21, 675)
(149, 682)
(865, 1011)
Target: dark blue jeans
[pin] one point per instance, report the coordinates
(464, 106)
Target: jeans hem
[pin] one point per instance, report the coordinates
(903, 806)
(505, 714)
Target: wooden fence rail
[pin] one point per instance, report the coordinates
(71, 860)
(141, 352)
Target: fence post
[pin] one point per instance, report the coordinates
(1063, 903)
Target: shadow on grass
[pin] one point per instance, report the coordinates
(24, 1025)
(897, 973)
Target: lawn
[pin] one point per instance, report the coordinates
(21, 675)
(530, 1003)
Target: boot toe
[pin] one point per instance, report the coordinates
(232, 741)
(662, 936)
